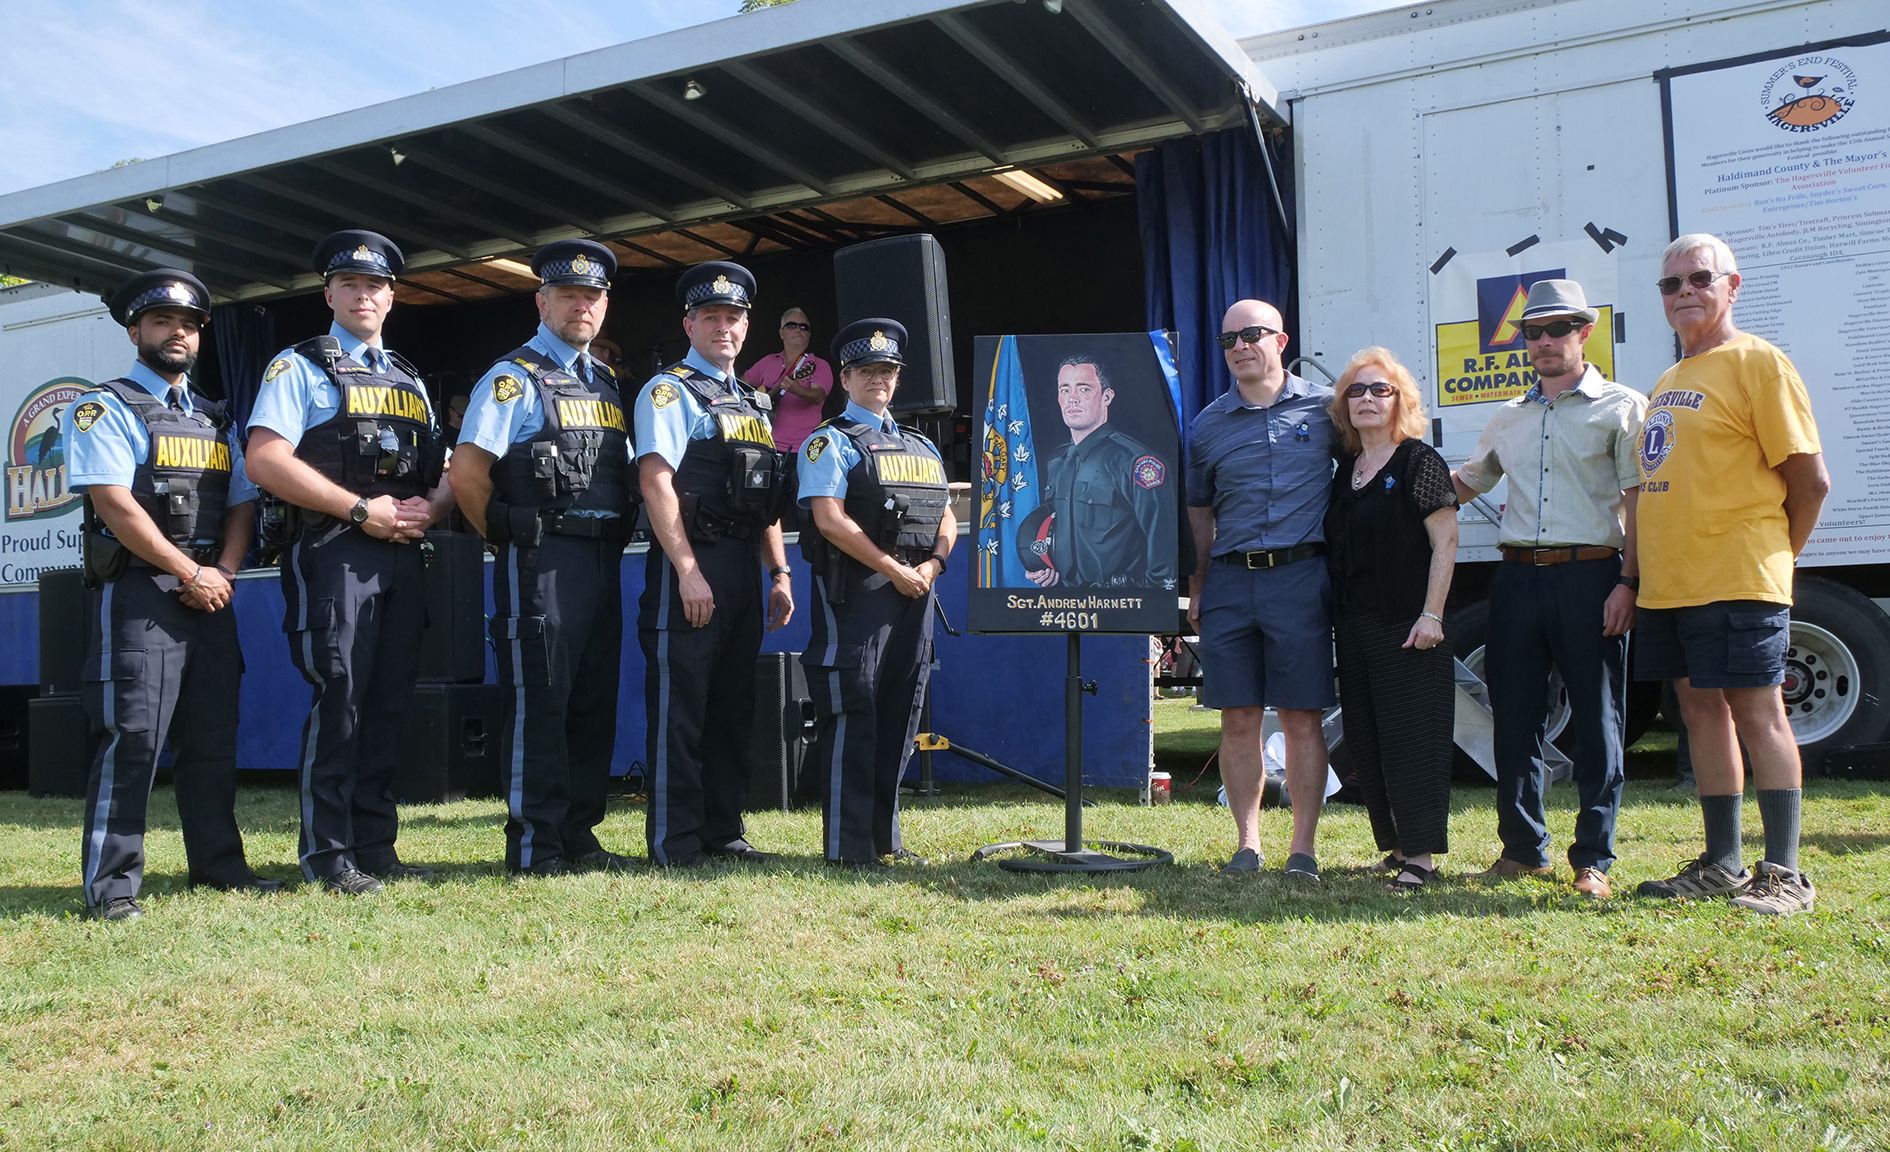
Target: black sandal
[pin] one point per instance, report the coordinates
(1391, 863)
(1400, 884)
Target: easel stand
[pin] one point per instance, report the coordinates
(1071, 855)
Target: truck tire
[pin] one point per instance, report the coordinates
(1468, 629)
(1837, 670)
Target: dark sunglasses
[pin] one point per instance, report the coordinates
(1252, 334)
(1554, 329)
(795, 324)
(1378, 388)
(1701, 280)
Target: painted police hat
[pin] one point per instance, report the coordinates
(584, 262)
(716, 282)
(158, 288)
(358, 250)
(1035, 537)
(873, 339)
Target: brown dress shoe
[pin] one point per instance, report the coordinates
(1507, 869)
(1593, 883)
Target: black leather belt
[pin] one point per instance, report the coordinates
(593, 527)
(1271, 557)
(205, 554)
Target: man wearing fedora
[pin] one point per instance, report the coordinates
(1563, 598)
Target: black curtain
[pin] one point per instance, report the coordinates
(246, 338)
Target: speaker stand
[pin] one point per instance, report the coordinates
(1071, 855)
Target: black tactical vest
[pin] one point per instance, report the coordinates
(383, 440)
(579, 460)
(897, 492)
(735, 482)
(184, 482)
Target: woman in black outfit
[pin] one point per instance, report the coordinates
(1391, 538)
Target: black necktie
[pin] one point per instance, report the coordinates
(176, 399)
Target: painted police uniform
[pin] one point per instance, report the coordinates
(870, 653)
(1109, 494)
(354, 605)
(152, 665)
(559, 516)
(699, 687)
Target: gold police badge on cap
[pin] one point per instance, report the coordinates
(362, 253)
(506, 389)
(721, 286)
(87, 414)
(177, 291)
(664, 394)
(580, 265)
(878, 342)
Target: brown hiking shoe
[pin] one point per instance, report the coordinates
(1507, 869)
(1776, 891)
(1697, 879)
(1593, 883)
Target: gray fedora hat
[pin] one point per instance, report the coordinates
(1558, 298)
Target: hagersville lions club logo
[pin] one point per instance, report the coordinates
(1810, 93)
(36, 459)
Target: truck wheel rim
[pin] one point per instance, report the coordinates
(1557, 718)
(1821, 683)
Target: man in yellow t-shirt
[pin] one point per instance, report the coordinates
(1732, 478)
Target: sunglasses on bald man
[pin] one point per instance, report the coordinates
(1251, 334)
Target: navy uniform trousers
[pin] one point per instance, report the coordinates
(867, 666)
(1542, 616)
(699, 699)
(355, 609)
(558, 635)
(149, 661)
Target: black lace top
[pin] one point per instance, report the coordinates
(1377, 549)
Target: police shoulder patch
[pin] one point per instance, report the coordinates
(1149, 472)
(276, 368)
(506, 389)
(815, 446)
(87, 414)
(664, 394)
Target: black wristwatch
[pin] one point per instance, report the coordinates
(358, 513)
(780, 570)
(941, 562)
(1630, 582)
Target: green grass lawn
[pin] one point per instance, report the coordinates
(951, 1006)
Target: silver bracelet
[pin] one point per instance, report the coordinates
(1431, 616)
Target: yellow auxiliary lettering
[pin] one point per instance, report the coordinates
(746, 428)
(189, 452)
(381, 400)
(590, 414)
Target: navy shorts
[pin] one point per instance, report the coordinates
(1266, 636)
(1725, 644)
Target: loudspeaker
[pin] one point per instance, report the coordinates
(453, 647)
(61, 630)
(784, 716)
(902, 277)
(14, 699)
(59, 743)
(449, 749)
(1858, 762)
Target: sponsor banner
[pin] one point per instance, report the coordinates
(1787, 159)
(39, 523)
(1476, 319)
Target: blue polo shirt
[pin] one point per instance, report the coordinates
(668, 420)
(496, 425)
(822, 470)
(297, 395)
(110, 451)
(1265, 471)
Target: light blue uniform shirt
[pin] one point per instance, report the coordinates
(118, 442)
(297, 395)
(667, 429)
(495, 425)
(823, 471)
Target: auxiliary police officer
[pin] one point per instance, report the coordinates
(880, 531)
(543, 471)
(1115, 520)
(343, 431)
(167, 521)
(713, 485)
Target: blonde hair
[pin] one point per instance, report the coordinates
(1412, 421)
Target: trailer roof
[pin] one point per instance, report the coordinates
(815, 123)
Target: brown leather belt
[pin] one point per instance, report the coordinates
(1541, 556)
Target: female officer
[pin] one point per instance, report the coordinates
(879, 531)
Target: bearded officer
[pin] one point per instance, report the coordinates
(880, 533)
(343, 431)
(543, 472)
(168, 517)
(713, 486)
(1114, 521)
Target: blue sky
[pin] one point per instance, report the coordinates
(86, 83)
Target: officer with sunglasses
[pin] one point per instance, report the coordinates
(1562, 600)
(1260, 461)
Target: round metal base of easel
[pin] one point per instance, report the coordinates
(1057, 856)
